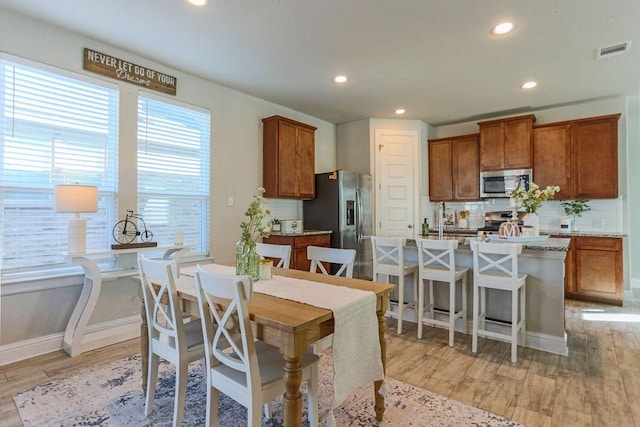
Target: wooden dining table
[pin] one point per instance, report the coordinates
(292, 327)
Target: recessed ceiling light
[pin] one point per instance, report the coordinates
(529, 85)
(340, 79)
(502, 28)
(400, 111)
(197, 2)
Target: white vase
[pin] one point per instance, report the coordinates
(532, 223)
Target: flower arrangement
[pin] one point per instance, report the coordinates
(532, 199)
(254, 228)
(576, 208)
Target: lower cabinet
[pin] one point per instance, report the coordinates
(299, 245)
(593, 269)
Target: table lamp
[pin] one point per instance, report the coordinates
(76, 199)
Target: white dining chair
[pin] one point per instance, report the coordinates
(280, 252)
(437, 263)
(170, 337)
(345, 258)
(388, 260)
(495, 266)
(248, 371)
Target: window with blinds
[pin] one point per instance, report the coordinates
(56, 128)
(173, 170)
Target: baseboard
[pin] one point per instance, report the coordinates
(535, 340)
(99, 335)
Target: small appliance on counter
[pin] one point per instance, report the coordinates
(291, 226)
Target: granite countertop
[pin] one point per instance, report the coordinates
(550, 244)
(555, 233)
(304, 233)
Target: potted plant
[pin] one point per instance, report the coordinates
(531, 200)
(575, 209)
(275, 225)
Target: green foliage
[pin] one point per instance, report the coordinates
(532, 199)
(254, 227)
(576, 208)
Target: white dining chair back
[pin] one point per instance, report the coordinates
(248, 371)
(495, 266)
(437, 263)
(169, 336)
(345, 258)
(388, 260)
(280, 252)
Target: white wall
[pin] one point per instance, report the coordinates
(236, 164)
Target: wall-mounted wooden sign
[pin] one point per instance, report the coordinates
(110, 66)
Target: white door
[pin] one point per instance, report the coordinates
(395, 170)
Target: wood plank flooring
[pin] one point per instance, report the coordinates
(598, 384)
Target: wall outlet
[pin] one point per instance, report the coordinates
(597, 223)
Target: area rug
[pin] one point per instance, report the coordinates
(111, 395)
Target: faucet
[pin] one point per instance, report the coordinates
(440, 220)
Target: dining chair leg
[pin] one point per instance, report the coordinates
(474, 336)
(400, 301)
(420, 307)
(431, 302)
(523, 313)
(514, 325)
(182, 371)
(267, 410)
(213, 397)
(152, 381)
(465, 327)
(452, 312)
(312, 397)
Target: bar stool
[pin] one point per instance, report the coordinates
(495, 266)
(436, 262)
(388, 259)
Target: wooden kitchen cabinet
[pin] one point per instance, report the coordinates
(594, 145)
(299, 245)
(454, 172)
(506, 143)
(580, 156)
(288, 158)
(594, 270)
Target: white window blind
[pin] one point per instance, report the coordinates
(173, 171)
(55, 129)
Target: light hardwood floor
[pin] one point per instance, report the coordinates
(598, 384)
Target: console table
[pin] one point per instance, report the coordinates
(74, 333)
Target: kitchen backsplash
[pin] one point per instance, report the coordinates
(285, 209)
(604, 216)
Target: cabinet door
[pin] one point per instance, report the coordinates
(594, 144)
(306, 163)
(599, 274)
(287, 160)
(517, 144)
(552, 158)
(492, 146)
(466, 168)
(440, 171)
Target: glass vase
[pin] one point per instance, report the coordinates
(247, 260)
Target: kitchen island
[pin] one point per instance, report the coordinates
(544, 263)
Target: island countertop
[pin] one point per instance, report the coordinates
(550, 244)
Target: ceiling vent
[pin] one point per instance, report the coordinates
(616, 49)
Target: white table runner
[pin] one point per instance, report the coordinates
(357, 357)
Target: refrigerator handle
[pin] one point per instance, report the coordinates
(360, 216)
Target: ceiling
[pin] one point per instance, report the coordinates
(435, 58)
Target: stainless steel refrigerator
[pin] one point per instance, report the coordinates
(343, 204)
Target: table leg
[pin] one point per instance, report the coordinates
(292, 395)
(379, 399)
(144, 347)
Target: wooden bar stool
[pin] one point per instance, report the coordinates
(436, 262)
(495, 266)
(388, 259)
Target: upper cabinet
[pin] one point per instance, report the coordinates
(288, 158)
(453, 168)
(580, 156)
(506, 143)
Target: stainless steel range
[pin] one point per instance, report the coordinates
(493, 220)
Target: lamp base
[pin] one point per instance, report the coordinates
(77, 235)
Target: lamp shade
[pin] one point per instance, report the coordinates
(76, 198)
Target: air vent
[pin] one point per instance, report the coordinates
(616, 49)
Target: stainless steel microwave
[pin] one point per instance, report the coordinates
(502, 183)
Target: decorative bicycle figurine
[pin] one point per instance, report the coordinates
(125, 231)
